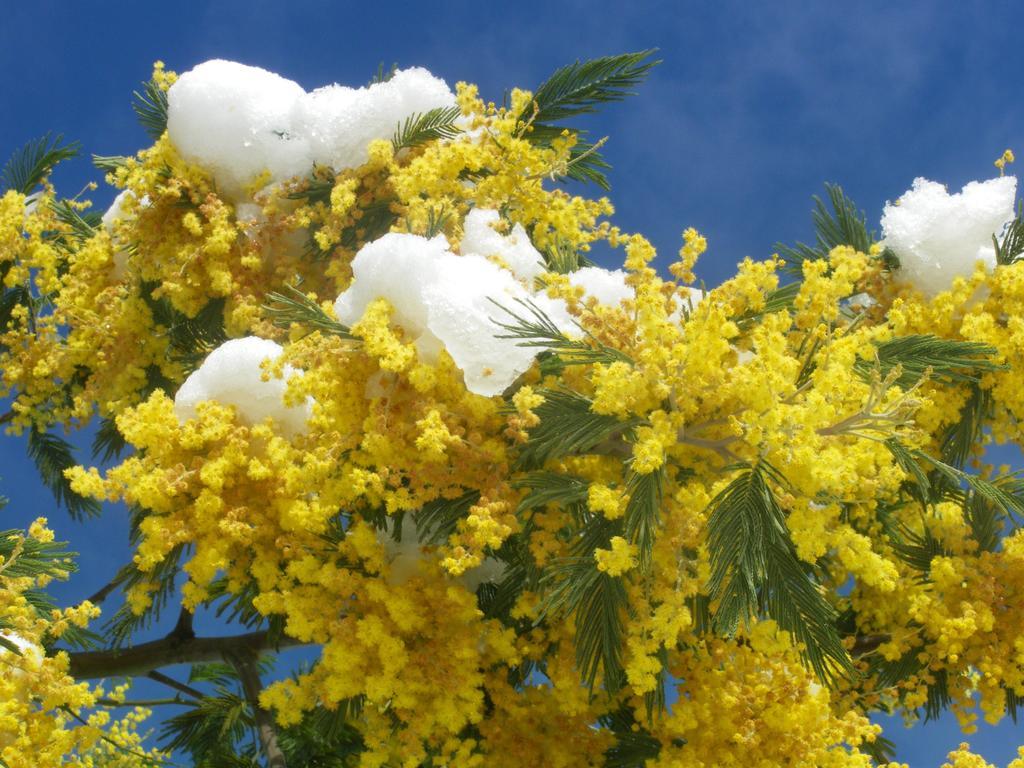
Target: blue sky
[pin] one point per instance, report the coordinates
(753, 108)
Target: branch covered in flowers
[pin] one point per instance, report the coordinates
(364, 388)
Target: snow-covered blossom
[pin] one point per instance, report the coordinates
(232, 375)
(938, 236)
(515, 249)
(113, 214)
(442, 300)
(607, 286)
(31, 654)
(238, 121)
(404, 556)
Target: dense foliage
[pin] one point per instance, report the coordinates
(364, 390)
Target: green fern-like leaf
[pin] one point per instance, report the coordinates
(1011, 247)
(109, 163)
(643, 513)
(634, 746)
(123, 624)
(52, 455)
(916, 549)
(150, 106)
(34, 557)
(599, 606)
(532, 327)
(551, 488)
(210, 729)
(1005, 492)
(293, 307)
(190, 339)
(568, 426)
(30, 165)
(325, 738)
(581, 87)
(842, 225)
(83, 226)
(438, 519)
(881, 750)
(946, 360)
(986, 519)
(108, 444)
(437, 123)
(563, 258)
(437, 220)
(1014, 703)
(753, 564)
(577, 89)
(383, 74)
(10, 299)
(964, 435)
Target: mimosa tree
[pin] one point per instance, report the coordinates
(364, 390)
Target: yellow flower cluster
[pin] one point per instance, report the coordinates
(44, 712)
(964, 758)
(677, 392)
(755, 705)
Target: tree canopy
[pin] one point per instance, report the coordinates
(365, 390)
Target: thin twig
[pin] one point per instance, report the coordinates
(865, 644)
(245, 664)
(118, 747)
(104, 592)
(139, 702)
(170, 682)
(718, 446)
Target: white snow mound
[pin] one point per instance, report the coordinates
(442, 300)
(231, 375)
(111, 216)
(514, 249)
(938, 236)
(607, 286)
(238, 121)
(340, 122)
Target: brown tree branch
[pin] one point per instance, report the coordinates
(116, 703)
(170, 682)
(147, 657)
(865, 644)
(245, 665)
(104, 592)
(183, 628)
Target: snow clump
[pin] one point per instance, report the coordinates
(514, 249)
(938, 236)
(238, 121)
(31, 654)
(445, 301)
(607, 286)
(404, 557)
(109, 220)
(232, 375)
